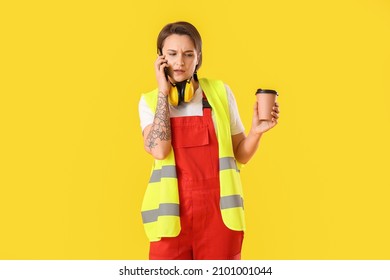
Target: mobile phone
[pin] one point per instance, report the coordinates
(165, 68)
(166, 72)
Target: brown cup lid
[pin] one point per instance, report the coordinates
(266, 91)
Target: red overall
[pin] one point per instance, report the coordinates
(203, 234)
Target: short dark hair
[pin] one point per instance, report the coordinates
(181, 28)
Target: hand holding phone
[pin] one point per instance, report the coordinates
(161, 68)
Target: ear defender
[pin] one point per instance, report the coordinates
(181, 92)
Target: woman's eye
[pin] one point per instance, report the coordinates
(190, 54)
(171, 54)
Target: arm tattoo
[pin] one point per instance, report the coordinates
(161, 127)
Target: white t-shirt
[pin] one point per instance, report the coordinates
(193, 108)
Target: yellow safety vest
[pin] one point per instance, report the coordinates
(160, 206)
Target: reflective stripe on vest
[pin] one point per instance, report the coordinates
(232, 201)
(165, 209)
(228, 163)
(160, 206)
(167, 171)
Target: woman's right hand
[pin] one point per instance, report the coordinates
(159, 66)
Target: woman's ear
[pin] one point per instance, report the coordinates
(199, 59)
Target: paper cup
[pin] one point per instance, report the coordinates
(266, 99)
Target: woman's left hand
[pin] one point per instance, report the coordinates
(259, 127)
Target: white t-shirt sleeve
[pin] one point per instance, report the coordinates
(145, 114)
(236, 125)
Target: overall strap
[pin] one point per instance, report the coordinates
(206, 106)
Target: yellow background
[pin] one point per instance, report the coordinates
(73, 170)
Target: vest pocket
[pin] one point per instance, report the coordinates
(191, 136)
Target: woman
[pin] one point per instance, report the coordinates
(193, 205)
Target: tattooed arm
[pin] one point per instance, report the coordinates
(157, 136)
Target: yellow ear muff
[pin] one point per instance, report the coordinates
(173, 96)
(188, 91)
(181, 92)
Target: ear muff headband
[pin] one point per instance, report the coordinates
(181, 92)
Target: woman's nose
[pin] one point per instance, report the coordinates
(180, 60)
